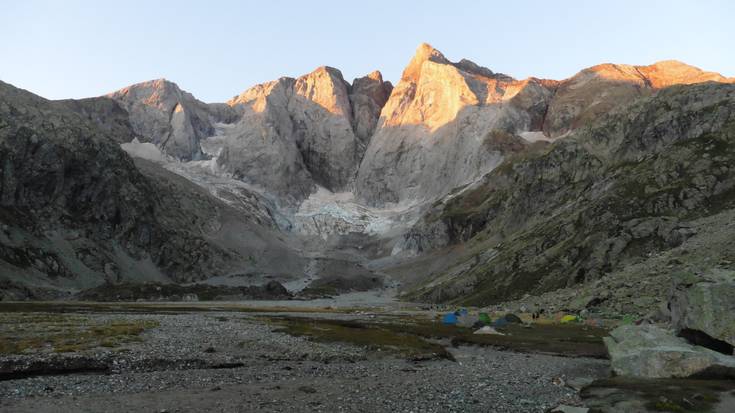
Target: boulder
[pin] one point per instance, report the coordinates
(705, 305)
(652, 352)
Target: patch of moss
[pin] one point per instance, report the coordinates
(416, 338)
(374, 336)
(25, 333)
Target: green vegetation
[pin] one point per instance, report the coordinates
(418, 338)
(42, 332)
(374, 336)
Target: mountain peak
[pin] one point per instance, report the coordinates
(423, 53)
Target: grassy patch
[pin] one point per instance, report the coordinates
(374, 336)
(60, 333)
(410, 336)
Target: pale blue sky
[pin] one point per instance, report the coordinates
(216, 49)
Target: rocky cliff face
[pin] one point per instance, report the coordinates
(439, 128)
(368, 96)
(165, 115)
(607, 194)
(296, 133)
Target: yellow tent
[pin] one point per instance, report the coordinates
(569, 319)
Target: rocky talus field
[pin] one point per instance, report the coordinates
(458, 241)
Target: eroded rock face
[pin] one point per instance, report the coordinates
(295, 133)
(651, 352)
(439, 128)
(705, 303)
(165, 115)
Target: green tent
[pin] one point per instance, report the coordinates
(485, 319)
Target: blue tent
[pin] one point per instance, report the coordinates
(501, 322)
(449, 319)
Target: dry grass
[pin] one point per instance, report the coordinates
(22, 333)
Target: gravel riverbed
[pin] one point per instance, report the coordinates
(235, 362)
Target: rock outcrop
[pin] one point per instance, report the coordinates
(652, 352)
(165, 115)
(703, 308)
(368, 96)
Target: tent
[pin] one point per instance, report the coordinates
(488, 330)
(569, 319)
(449, 319)
(485, 319)
(512, 318)
(501, 322)
(467, 320)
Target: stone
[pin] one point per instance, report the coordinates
(651, 352)
(705, 303)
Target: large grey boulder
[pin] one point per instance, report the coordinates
(652, 352)
(705, 304)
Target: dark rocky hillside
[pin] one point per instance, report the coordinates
(608, 195)
(77, 212)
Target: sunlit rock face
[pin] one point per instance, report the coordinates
(595, 91)
(295, 133)
(172, 119)
(444, 125)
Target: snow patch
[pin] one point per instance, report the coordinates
(144, 150)
(534, 136)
